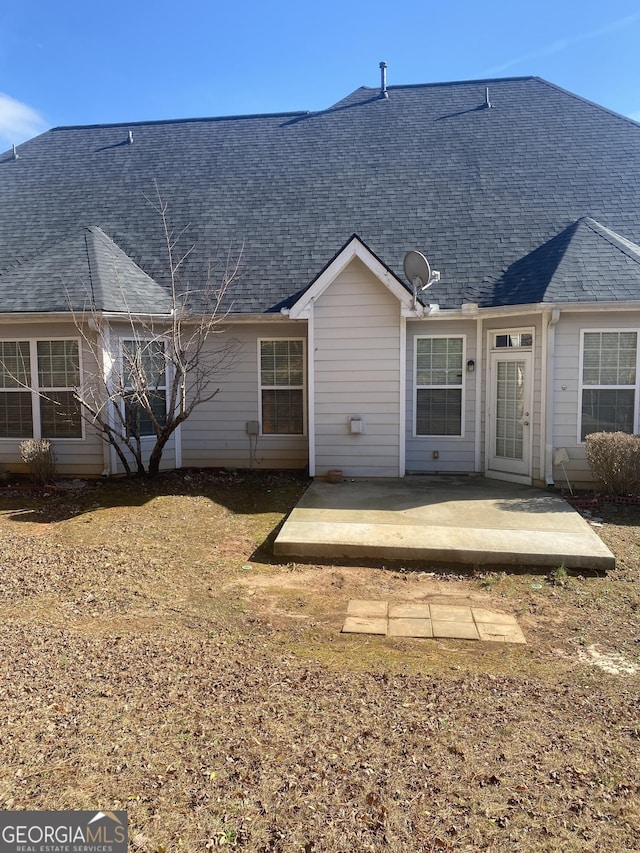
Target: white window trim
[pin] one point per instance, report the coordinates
(302, 387)
(462, 386)
(138, 339)
(582, 386)
(35, 390)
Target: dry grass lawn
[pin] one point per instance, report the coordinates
(155, 658)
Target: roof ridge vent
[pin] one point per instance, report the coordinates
(383, 80)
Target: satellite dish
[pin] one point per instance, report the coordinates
(417, 270)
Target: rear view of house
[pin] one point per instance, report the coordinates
(521, 196)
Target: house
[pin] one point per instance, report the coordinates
(524, 197)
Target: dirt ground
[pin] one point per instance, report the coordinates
(156, 658)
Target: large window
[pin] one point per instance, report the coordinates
(609, 382)
(37, 382)
(145, 386)
(439, 383)
(282, 386)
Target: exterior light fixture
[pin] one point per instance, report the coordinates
(471, 366)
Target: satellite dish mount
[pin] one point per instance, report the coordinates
(419, 273)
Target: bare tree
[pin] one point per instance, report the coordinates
(148, 377)
(162, 369)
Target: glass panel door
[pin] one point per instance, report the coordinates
(509, 414)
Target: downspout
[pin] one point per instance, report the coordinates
(549, 373)
(402, 450)
(477, 450)
(311, 390)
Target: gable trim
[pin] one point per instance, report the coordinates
(354, 248)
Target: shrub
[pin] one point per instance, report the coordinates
(39, 456)
(614, 460)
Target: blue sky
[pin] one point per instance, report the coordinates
(71, 62)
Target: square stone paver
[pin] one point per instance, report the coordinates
(417, 619)
(500, 633)
(451, 630)
(407, 627)
(365, 625)
(480, 614)
(363, 607)
(409, 610)
(451, 613)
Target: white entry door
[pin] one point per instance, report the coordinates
(509, 415)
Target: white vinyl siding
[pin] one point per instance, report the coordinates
(445, 453)
(567, 386)
(215, 434)
(609, 374)
(357, 375)
(439, 383)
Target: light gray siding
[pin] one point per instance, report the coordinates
(356, 364)
(216, 433)
(74, 456)
(567, 387)
(455, 454)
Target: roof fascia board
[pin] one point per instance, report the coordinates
(355, 248)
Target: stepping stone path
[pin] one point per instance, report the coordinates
(445, 621)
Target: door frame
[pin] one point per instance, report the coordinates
(494, 354)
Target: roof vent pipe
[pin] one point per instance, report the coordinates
(130, 138)
(15, 153)
(383, 80)
(487, 102)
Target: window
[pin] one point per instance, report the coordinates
(609, 379)
(145, 386)
(514, 340)
(439, 381)
(282, 386)
(37, 382)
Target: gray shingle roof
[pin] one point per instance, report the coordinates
(584, 263)
(84, 271)
(478, 190)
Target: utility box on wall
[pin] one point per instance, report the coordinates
(356, 426)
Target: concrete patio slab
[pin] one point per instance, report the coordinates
(443, 519)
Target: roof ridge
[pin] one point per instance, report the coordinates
(197, 119)
(587, 101)
(451, 83)
(627, 247)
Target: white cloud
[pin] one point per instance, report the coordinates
(18, 122)
(564, 43)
